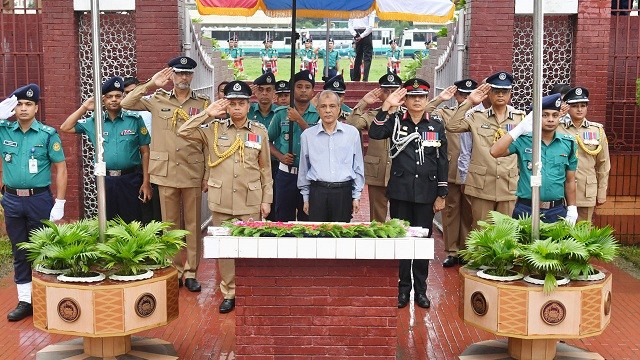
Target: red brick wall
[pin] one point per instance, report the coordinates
(157, 35)
(491, 37)
(316, 309)
(591, 54)
(61, 89)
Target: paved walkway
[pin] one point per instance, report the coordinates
(437, 333)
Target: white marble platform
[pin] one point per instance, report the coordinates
(220, 246)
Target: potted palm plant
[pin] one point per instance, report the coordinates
(600, 245)
(66, 248)
(494, 248)
(131, 247)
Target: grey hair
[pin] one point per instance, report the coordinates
(325, 92)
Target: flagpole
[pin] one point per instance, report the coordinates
(293, 70)
(536, 176)
(100, 166)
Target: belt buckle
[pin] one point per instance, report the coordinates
(114, 172)
(23, 192)
(545, 205)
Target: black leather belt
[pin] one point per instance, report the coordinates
(332, 185)
(26, 192)
(543, 204)
(123, 172)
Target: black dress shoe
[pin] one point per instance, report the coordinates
(192, 285)
(227, 305)
(451, 261)
(23, 310)
(423, 301)
(403, 300)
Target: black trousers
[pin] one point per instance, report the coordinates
(289, 205)
(364, 52)
(330, 204)
(417, 215)
(151, 209)
(122, 196)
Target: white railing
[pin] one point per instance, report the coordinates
(450, 63)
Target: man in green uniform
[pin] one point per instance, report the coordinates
(236, 54)
(289, 205)
(126, 150)
(269, 57)
(352, 58)
(240, 184)
(558, 160)
(394, 57)
(264, 88)
(308, 57)
(337, 85)
(30, 150)
(333, 60)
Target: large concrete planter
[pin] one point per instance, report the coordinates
(105, 314)
(532, 321)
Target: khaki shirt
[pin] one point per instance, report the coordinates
(174, 161)
(453, 145)
(488, 178)
(592, 176)
(377, 164)
(241, 182)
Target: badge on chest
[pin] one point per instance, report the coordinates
(253, 141)
(430, 139)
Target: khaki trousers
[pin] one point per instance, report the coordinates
(480, 209)
(586, 213)
(378, 203)
(181, 206)
(227, 267)
(456, 219)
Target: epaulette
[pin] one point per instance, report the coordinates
(596, 124)
(568, 137)
(258, 124)
(48, 129)
(519, 112)
(131, 113)
(202, 96)
(436, 118)
(5, 123)
(163, 92)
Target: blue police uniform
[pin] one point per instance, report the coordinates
(26, 162)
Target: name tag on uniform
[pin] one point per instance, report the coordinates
(10, 143)
(528, 151)
(127, 132)
(165, 109)
(33, 166)
(485, 126)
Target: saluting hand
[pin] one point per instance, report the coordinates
(8, 106)
(394, 99)
(89, 104)
(372, 96)
(162, 77)
(218, 108)
(564, 109)
(448, 93)
(254, 88)
(479, 94)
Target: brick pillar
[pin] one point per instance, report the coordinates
(157, 35)
(591, 54)
(491, 37)
(338, 309)
(61, 89)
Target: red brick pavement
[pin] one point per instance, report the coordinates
(437, 333)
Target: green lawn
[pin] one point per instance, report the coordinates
(631, 254)
(253, 68)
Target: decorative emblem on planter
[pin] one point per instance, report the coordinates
(553, 312)
(145, 305)
(68, 310)
(479, 303)
(607, 304)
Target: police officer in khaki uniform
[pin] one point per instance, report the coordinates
(592, 176)
(176, 165)
(377, 163)
(240, 183)
(456, 217)
(491, 183)
(30, 150)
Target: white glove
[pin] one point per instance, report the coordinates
(572, 214)
(57, 212)
(525, 126)
(7, 107)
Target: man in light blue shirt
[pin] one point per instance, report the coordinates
(331, 173)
